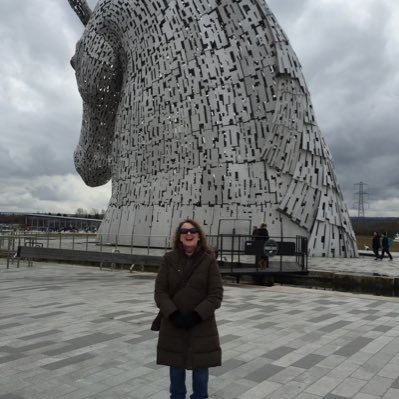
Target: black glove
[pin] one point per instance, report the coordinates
(192, 319)
(177, 319)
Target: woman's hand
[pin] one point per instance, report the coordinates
(177, 319)
(192, 319)
(187, 321)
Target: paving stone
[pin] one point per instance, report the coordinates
(349, 387)
(39, 335)
(305, 395)
(365, 396)
(260, 391)
(334, 326)
(322, 318)
(323, 386)
(227, 365)
(308, 361)
(8, 325)
(288, 390)
(332, 396)
(279, 352)
(67, 361)
(377, 386)
(264, 373)
(353, 346)
(391, 394)
(395, 384)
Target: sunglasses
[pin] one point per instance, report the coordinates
(193, 230)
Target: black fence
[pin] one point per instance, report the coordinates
(235, 253)
(242, 254)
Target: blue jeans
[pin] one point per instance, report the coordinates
(178, 383)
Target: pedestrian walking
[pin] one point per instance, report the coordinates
(376, 244)
(188, 290)
(385, 243)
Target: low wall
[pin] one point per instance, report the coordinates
(357, 283)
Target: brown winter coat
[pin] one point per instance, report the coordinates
(200, 346)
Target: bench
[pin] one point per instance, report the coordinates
(71, 255)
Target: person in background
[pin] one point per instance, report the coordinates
(385, 246)
(262, 234)
(254, 232)
(188, 290)
(376, 244)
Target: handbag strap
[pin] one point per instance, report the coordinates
(186, 275)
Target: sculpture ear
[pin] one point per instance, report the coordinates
(81, 9)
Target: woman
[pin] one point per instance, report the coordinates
(188, 290)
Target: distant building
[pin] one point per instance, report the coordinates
(45, 222)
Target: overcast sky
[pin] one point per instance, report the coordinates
(349, 50)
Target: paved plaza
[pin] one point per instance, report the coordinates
(75, 332)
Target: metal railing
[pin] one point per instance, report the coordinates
(10, 242)
(232, 251)
(230, 247)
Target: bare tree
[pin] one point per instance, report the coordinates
(80, 212)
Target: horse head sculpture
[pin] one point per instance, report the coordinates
(199, 109)
(99, 80)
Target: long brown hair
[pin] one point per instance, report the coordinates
(203, 242)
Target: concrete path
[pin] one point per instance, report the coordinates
(75, 332)
(362, 265)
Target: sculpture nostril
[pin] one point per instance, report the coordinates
(73, 63)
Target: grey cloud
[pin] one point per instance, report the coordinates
(42, 144)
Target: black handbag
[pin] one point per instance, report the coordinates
(156, 324)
